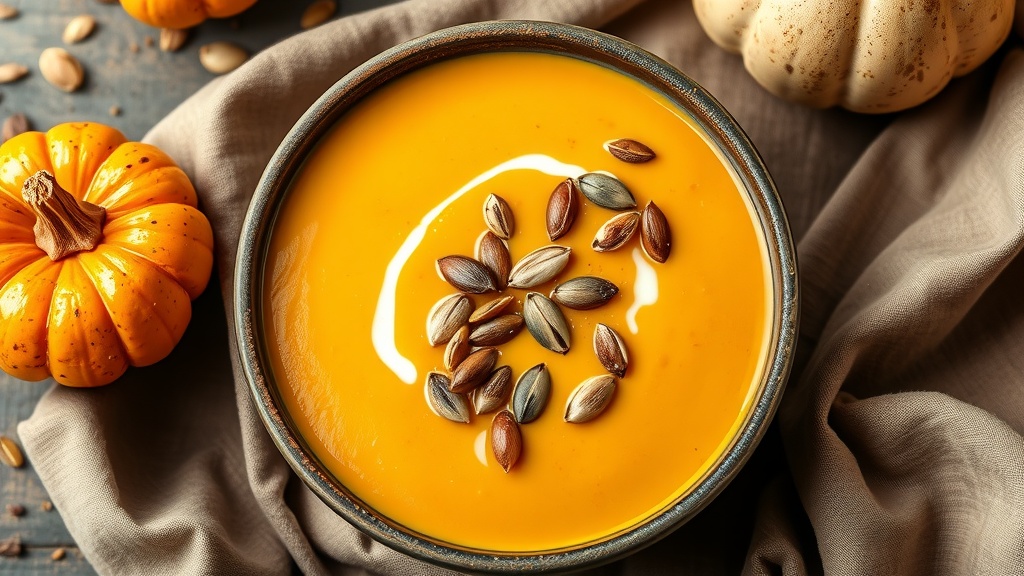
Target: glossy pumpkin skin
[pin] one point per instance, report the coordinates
(182, 13)
(85, 318)
(864, 56)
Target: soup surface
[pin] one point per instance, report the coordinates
(350, 278)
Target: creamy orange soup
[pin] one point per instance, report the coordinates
(400, 182)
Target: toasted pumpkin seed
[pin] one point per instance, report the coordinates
(7, 12)
(457, 349)
(584, 292)
(606, 191)
(472, 371)
(589, 399)
(466, 274)
(546, 323)
(490, 309)
(506, 440)
(14, 124)
(492, 253)
(498, 216)
(78, 29)
(531, 392)
(446, 317)
(221, 57)
(614, 233)
(490, 395)
(444, 402)
(12, 71)
(497, 331)
(172, 39)
(610, 350)
(539, 266)
(655, 235)
(61, 69)
(630, 151)
(10, 453)
(563, 205)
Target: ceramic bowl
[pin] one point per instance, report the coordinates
(721, 130)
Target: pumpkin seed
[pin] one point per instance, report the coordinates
(490, 309)
(606, 191)
(317, 13)
(11, 547)
(457, 349)
(466, 274)
(655, 235)
(12, 71)
(492, 252)
(442, 401)
(584, 292)
(530, 395)
(589, 399)
(8, 12)
(15, 510)
(610, 350)
(446, 316)
(14, 124)
(497, 331)
(546, 323)
(57, 555)
(10, 453)
(472, 371)
(506, 440)
(171, 39)
(539, 266)
(498, 216)
(563, 205)
(61, 69)
(222, 57)
(114, 110)
(630, 151)
(78, 29)
(614, 233)
(494, 391)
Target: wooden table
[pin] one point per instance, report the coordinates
(124, 69)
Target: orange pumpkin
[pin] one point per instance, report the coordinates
(102, 251)
(182, 13)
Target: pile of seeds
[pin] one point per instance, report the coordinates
(472, 336)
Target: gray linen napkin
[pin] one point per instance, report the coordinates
(898, 447)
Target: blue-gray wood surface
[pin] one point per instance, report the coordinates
(127, 71)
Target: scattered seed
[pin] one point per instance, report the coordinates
(61, 69)
(115, 110)
(57, 555)
(15, 510)
(506, 440)
(472, 371)
(497, 331)
(584, 292)
(222, 57)
(539, 266)
(466, 274)
(614, 233)
(606, 191)
(444, 402)
(457, 349)
(530, 395)
(148, 41)
(11, 547)
(563, 205)
(492, 252)
(546, 323)
(171, 39)
(498, 216)
(12, 71)
(589, 399)
(78, 29)
(10, 453)
(490, 309)
(490, 395)
(610, 350)
(630, 151)
(14, 124)
(46, 506)
(8, 12)
(317, 13)
(655, 235)
(446, 316)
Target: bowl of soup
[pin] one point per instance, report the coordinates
(516, 297)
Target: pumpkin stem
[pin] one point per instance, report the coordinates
(64, 224)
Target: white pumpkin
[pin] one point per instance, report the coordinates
(876, 56)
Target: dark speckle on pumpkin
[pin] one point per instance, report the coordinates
(789, 68)
(143, 160)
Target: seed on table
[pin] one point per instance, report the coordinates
(15, 510)
(497, 331)
(498, 216)
(490, 309)
(61, 69)
(46, 506)
(12, 71)
(222, 57)
(474, 370)
(584, 292)
(8, 12)
(446, 316)
(492, 253)
(444, 402)
(494, 392)
(506, 440)
(610, 350)
(14, 125)
(655, 235)
(614, 233)
(563, 206)
(78, 29)
(172, 39)
(546, 323)
(57, 555)
(539, 266)
(630, 151)
(606, 191)
(11, 547)
(589, 399)
(466, 274)
(531, 392)
(10, 453)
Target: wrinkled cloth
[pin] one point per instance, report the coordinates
(897, 448)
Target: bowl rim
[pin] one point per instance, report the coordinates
(514, 35)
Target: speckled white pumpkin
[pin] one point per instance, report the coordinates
(877, 56)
